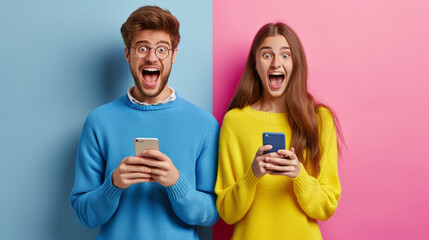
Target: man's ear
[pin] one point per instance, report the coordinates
(173, 57)
(127, 54)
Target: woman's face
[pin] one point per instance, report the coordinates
(274, 65)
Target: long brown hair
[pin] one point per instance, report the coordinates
(301, 109)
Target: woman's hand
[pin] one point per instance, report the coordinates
(287, 164)
(259, 162)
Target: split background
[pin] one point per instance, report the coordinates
(367, 59)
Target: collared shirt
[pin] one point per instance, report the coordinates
(170, 98)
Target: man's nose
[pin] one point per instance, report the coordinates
(151, 56)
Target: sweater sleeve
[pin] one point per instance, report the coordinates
(236, 184)
(94, 198)
(318, 197)
(197, 205)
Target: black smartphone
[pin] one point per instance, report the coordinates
(275, 139)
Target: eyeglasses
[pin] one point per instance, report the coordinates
(161, 52)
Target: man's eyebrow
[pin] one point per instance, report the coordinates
(157, 43)
(141, 41)
(163, 42)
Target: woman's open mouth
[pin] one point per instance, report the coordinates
(276, 80)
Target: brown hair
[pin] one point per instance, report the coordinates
(301, 108)
(151, 17)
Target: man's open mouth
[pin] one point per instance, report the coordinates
(150, 76)
(276, 80)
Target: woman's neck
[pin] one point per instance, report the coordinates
(270, 104)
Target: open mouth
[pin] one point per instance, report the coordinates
(276, 80)
(150, 76)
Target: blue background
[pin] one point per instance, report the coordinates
(58, 61)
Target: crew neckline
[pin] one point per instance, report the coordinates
(170, 98)
(265, 116)
(135, 106)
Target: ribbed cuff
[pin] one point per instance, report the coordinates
(302, 181)
(250, 180)
(110, 191)
(178, 190)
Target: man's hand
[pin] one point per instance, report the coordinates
(161, 167)
(131, 171)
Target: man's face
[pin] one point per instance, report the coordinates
(150, 73)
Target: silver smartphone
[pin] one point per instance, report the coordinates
(141, 144)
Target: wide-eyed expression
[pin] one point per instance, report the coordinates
(274, 65)
(151, 73)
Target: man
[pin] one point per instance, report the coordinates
(161, 194)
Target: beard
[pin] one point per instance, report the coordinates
(163, 80)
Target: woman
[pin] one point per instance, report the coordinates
(278, 195)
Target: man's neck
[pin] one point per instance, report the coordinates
(163, 95)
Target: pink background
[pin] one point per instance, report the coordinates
(368, 60)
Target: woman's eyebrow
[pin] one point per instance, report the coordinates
(270, 48)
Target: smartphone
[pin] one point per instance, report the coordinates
(275, 139)
(141, 144)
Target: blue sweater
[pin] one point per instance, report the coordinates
(187, 134)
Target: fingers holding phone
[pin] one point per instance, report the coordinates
(284, 162)
(288, 165)
(149, 165)
(161, 166)
(259, 164)
(272, 142)
(131, 171)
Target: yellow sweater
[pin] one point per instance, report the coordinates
(273, 207)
